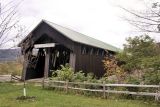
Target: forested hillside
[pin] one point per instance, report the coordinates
(9, 54)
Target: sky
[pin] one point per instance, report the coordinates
(100, 19)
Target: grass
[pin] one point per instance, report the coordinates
(14, 67)
(48, 98)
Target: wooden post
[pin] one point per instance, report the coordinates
(49, 83)
(84, 84)
(104, 89)
(66, 87)
(108, 88)
(43, 82)
(159, 93)
(157, 96)
(46, 67)
(11, 77)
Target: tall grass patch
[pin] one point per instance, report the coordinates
(7, 68)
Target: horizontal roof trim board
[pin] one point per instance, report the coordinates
(46, 45)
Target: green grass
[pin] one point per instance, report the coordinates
(49, 98)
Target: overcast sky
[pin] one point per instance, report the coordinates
(100, 19)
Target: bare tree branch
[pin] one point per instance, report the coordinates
(137, 15)
(8, 22)
(148, 21)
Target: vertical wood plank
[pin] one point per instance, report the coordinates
(66, 86)
(72, 60)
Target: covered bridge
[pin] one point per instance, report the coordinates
(50, 45)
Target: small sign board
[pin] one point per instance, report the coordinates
(46, 45)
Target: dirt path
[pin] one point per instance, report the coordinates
(7, 78)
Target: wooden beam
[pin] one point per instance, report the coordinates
(46, 45)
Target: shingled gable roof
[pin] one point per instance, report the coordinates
(81, 38)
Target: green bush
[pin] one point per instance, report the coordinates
(152, 77)
(65, 73)
(79, 76)
(90, 77)
(132, 80)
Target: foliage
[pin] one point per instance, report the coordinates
(139, 62)
(132, 80)
(112, 68)
(65, 73)
(143, 54)
(137, 50)
(152, 76)
(79, 76)
(90, 77)
(106, 80)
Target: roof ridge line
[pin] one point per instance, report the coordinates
(79, 33)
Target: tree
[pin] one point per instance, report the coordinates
(139, 62)
(148, 20)
(112, 67)
(136, 50)
(142, 54)
(10, 30)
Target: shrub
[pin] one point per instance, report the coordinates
(90, 78)
(152, 76)
(132, 80)
(65, 73)
(79, 76)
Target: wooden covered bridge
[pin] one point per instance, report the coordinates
(50, 45)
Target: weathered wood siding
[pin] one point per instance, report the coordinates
(89, 62)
